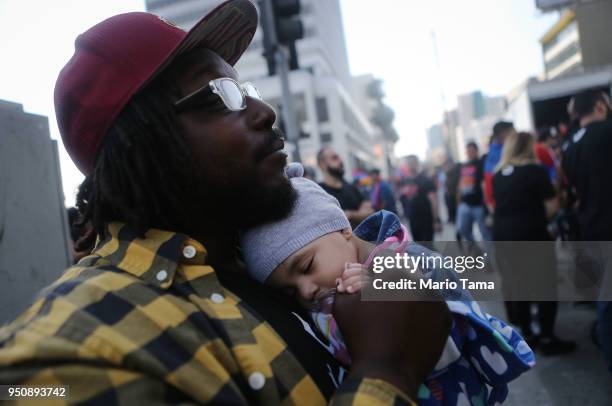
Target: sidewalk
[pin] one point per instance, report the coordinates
(579, 379)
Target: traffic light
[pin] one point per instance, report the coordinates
(288, 28)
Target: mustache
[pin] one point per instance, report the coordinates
(274, 141)
(278, 132)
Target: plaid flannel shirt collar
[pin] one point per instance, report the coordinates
(153, 259)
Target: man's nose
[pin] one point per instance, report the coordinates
(261, 115)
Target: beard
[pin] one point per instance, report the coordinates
(247, 202)
(260, 204)
(245, 196)
(337, 173)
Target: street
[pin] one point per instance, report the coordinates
(579, 379)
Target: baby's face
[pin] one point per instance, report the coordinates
(314, 268)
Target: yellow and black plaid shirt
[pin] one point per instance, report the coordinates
(146, 321)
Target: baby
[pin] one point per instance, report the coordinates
(313, 253)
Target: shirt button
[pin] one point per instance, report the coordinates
(189, 251)
(257, 380)
(217, 298)
(161, 275)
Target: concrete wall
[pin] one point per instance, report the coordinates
(33, 226)
(595, 28)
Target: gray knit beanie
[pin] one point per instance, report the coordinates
(314, 214)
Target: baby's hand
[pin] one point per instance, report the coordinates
(352, 279)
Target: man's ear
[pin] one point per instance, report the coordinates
(601, 108)
(347, 233)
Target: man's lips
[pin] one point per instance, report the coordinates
(275, 149)
(278, 145)
(279, 157)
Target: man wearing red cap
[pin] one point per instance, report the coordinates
(178, 156)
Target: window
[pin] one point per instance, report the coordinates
(351, 120)
(322, 113)
(563, 56)
(565, 32)
(326, 138)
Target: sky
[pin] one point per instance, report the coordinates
(487, 45)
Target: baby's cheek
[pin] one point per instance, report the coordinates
(330, 274)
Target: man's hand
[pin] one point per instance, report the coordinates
(398, 342)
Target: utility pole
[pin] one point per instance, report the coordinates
(446, 131)
(282, 64)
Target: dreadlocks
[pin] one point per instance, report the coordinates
(142, 172)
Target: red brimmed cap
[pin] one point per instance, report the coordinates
(117, 57)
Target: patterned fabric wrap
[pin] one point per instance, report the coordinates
(482, 353)
(139, 322)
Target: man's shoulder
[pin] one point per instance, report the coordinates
(78, 288)
(327, 188)
(424, 180)
(91, 273)
(96, 309)
(386, 186)
(338, 190)
(534, 171)
(599, 133)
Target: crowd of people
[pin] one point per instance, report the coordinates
(526, 187)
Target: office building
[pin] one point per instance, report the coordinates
(578, 41)
(34, 236)
(561, 47)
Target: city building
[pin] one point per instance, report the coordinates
(477, 115)
(561, 47)
(495, 106)
(472, 120)
(327, 111)
(578, 41)
(436, 148)
(470, 106)
(34, 234)
(369, 95)
(450, 124)
(519, 106)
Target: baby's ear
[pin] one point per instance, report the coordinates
(347, 233)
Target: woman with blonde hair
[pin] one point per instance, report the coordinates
(524, 201)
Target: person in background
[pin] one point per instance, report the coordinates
(381, 194)
(469, 196)
(586, 163)
(310, 173)
(451, 172)
(545, 153)
(524, 201)
(355, 206)
(362, 181)
(420, 203)
(501, 130)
